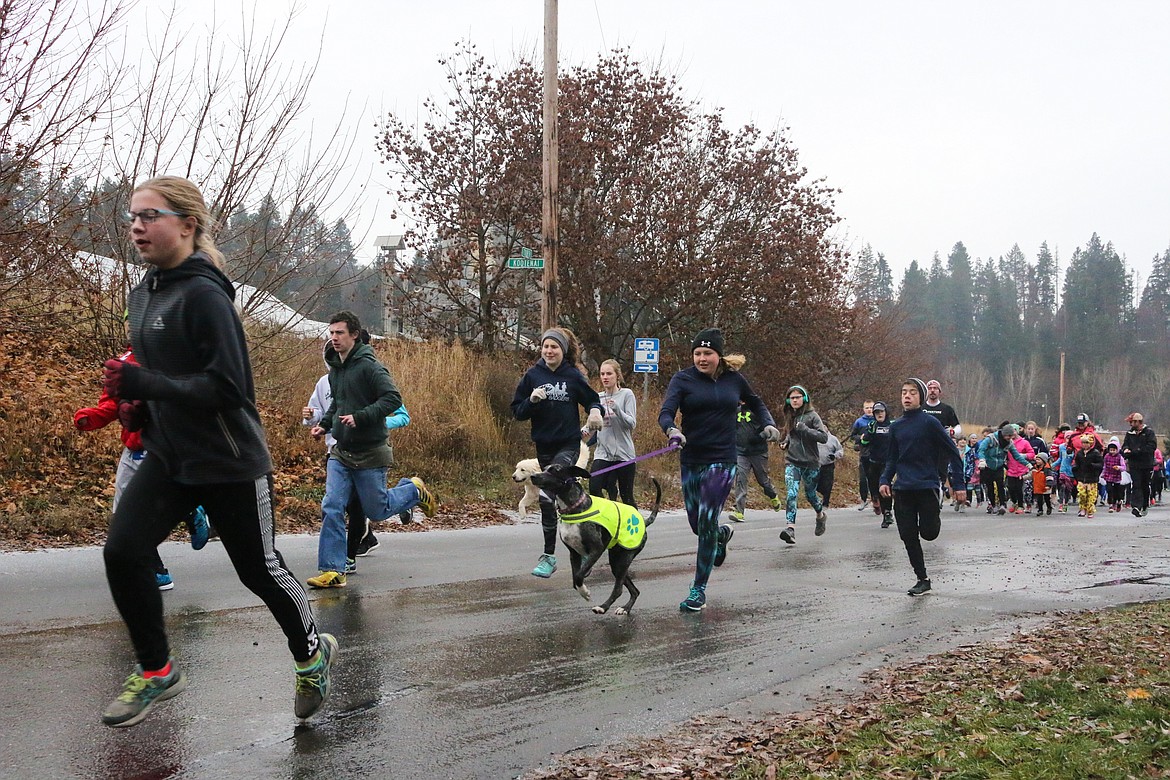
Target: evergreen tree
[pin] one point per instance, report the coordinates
(958, 314)
(1097, 301)
(912, 297)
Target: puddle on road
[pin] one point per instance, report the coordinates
(1149, 579)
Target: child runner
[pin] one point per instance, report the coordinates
(1087, 465)
(918, 443)
(707, 395)
(875, 444)
(206, 445)
(803, 431)
(93, 417)
(751, 457)
(1112, 469)
(1042, 483)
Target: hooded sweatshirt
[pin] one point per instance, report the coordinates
(556, 419)
(196, 377)
(362, 387)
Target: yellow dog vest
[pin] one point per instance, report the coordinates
(624, 523)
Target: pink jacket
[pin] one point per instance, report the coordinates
(1014, 467)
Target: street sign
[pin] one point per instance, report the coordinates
(526, 260)
(646, 356)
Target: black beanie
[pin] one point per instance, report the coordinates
(712, 338)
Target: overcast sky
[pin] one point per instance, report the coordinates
(990, 123)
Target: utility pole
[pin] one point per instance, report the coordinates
(550, 204)
(1060, 412)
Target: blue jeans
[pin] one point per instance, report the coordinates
(378, 502)
(793, 477)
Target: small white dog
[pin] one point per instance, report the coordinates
(523, 475)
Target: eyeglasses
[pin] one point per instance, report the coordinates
(149, 215)
(796, 398)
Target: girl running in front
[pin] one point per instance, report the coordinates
(194, 398)
(707, 395)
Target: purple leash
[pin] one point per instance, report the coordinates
(625, 463)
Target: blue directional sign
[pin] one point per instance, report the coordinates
(645, 368)
(645, 351)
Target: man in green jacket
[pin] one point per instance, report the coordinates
(363, 396)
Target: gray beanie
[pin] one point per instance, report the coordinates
(558, 337)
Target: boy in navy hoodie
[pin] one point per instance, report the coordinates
(918, 443)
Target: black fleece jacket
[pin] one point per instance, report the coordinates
(195, 376)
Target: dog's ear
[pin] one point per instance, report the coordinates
(577, 471)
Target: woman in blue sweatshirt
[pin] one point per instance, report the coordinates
(548, 395)
(918, 444)
(708, 395)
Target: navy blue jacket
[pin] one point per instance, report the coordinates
(709, 408)
(555, 419)
(918, 442)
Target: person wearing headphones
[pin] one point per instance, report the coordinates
(802, 433)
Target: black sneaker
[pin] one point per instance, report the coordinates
(822, 516)
(404, 517)
(887, 520)
(789, 534)
(725, 534)
(920, 588)
(367, 545)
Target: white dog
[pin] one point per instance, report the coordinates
(523, 474)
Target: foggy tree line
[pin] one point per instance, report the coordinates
(994, 329)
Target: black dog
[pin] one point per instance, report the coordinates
(590, 525)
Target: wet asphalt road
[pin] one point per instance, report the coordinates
(456, 663)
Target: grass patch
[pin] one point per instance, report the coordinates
(1086, 697)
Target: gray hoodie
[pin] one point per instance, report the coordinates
(807, 432)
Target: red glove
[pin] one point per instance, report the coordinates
(112, 377)
(132, 415)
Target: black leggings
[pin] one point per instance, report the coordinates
(1015, 486)
(917, 514)
(619, 482)
(566, 453)
(242, 512)
(873, 473)
(992, 481)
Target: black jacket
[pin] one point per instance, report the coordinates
(195, 376)
(1138, 448)
(1087, 465)
(749, 434)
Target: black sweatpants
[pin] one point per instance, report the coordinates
(242, 512)
(873, 471)
(917, 515)
(616, 485)
(1140, 489)
(566, 453)
(825, 483)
